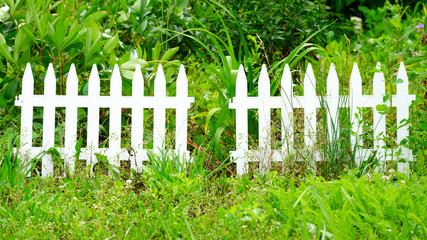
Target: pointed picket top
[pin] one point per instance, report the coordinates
(116, 82)
(50, 81)
(286, 89)
(355, 83)
(402, 87)
(94, 82)
(309, 82)
(241, 83)
(379, 82)
(138, 82)
(264, 83)
(160, 83)
(182, 83)
(72, 82)
(28, 81)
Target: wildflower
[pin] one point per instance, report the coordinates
(128, 183)
(418, 27)
(368, 176)
(391, 171)
(385, 178)
(402, 182)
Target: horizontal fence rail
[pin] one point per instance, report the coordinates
(287, 102)
(93, 102)
(264, 102)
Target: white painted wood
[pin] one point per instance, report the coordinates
(310, 103)
(71, 119)
(115, 117)
(159, 130)
(25, 101)
(93, 115)
(238, 103)
(333, 104)
(286, 92)
(402, 113)
(48, 120)
(379, 119)
(355, 103)
(137, 120)
(264, 119)
(182, 113)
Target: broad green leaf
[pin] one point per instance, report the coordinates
(29, 34)
(209, 116)
(217, 138)
(172, 63)
(123, 17)
(11, 89)
(136, 6)
(386, 97)
(381, 108)
(4, 50)
(397, 81)
(182, 3)
(2, 101)
(95, 17)
(168, 54)
(72, 36)
(111, 44)
(95, 31)
(156, 51)
(127, 69)
(20, 44)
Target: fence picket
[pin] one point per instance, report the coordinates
(403, 101)
(264, 118)
(25, 101)
(355, 101)
(239, 103)
(115, 117)
(181, 102)
(137, 129)
(71, 119)
(48, 120)
(93, 115)
(310, 103)
(286, 93)
(379, 119)
(333, 104)
(159, 110)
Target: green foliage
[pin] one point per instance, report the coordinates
(277, 27)
(13, 170)
(267, 206)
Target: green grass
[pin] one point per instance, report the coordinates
(267, 206)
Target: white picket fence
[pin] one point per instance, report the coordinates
(264, 102)
(287, 102)
(93, 102)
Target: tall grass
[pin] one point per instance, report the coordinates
(13, 171)
(267, 206)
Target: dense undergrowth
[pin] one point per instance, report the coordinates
(268, 206)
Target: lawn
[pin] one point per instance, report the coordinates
(268, 206)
